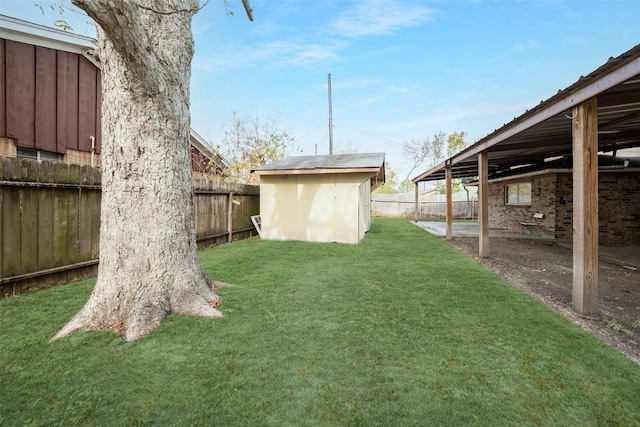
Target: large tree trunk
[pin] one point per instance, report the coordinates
(149, 264)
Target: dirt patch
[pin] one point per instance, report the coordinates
(543, 269)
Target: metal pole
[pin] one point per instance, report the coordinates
(330, 120)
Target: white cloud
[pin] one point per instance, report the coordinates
(372, 18)
(273, 54)
(526, 45)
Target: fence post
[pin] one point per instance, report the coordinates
(230, 218)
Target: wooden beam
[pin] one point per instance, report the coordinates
(449, 203)
(417, 206)
(585, 207)
(483, 199)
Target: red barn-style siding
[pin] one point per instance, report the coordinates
(51, 99)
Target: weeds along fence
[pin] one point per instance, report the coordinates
(50, 221)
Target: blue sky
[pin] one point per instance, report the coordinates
(400, 69)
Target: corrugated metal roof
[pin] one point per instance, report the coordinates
(333, 161)
(545, 131)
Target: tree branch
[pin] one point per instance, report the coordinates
(193, 10)
(247, 7)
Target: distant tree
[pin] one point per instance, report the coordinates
(406, 186)
(456, 143)
(429, 152)
(426, 152)
(251, 141)
(442, 188)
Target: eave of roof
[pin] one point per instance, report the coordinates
(201, 145)
(39, 35)
(333, 161)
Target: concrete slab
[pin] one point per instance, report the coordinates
(472, 229)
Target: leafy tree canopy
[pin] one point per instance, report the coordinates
(251, 141)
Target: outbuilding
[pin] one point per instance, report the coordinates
(319, 198)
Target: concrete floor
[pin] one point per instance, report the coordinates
(624, 255)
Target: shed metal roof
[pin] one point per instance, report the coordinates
(334, 163)
(545, 131)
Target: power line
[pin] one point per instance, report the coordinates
(381, 138)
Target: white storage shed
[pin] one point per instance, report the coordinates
(319, 198)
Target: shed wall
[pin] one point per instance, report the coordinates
(314, 208)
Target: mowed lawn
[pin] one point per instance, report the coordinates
(401, 330)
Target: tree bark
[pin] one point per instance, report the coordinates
(149, 265)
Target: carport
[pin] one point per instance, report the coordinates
(598, 113)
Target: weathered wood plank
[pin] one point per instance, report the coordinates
(85, 225)
(2, 236)
(3, 93)
(585, 208)
(11, 231)
(60, 227)
(29, 213)
(94, 201)
(449, 214)
(483, 202)
(73, 226)
(45, 228)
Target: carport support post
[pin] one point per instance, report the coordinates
(449, 203)
(416, 213)
(585, 207)
(483, 198)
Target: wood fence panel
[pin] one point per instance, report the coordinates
(50, 221)
(45, 229)
(94, 202)
(199, 205)
(85, 229)
(60, 228)
(73, 225)
(29, 230)
(11, 232)
(1, 222)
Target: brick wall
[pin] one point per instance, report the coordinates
(510, 217)
(552, 195)
(619, 208)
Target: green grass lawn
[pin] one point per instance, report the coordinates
(401, 330)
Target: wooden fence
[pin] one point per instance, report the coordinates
(50, 221)
(404, 207)
(223, 211)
